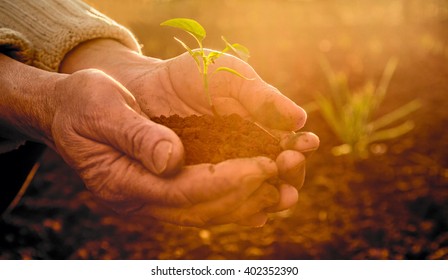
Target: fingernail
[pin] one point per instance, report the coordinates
(161, 155)
(304, 142)
(309, 143)
(258, 220)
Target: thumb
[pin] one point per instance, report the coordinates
(155, 146)
(100, 109)
(254, 98)
(271, 108)
(161, 150)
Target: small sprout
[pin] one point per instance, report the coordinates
(202, 58)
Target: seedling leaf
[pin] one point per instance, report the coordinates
(238, 49)
(213, 55)
(233, 71)
(189, 25)
(202, 57)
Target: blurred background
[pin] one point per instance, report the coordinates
(377, 196)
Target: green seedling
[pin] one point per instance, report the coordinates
(204, 58)
(350, 113)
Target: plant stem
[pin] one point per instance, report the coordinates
(267, 131)
(205, 64)
(207, 94)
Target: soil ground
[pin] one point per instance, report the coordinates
(394, 205)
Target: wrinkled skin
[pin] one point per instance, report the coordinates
(109, 141)
(203, 194)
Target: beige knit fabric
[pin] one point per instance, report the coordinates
(41, 32)
(15, 45)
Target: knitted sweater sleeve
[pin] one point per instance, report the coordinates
(40, 33)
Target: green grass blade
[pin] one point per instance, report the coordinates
(395, 115)
(391, 133)
(331, 116)
(385, 81)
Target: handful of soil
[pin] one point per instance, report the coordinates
(209, 139)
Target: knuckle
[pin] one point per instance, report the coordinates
(106, 185)
(137, 133)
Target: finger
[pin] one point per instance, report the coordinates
(304, 142)
(198, 184)
(288, 198)
(264, 197)
(271, 108)
(256, 220)
(291, 167)
(205, 182)
(193, 197)
(249, 198)
(199, 215)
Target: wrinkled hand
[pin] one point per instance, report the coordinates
(177, 86)
(174, 86)
(124, 159)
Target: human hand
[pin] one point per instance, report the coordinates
(174, 86)
(100, 131)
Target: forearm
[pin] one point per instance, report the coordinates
(27, 101)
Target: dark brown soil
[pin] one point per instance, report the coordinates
(209, 139)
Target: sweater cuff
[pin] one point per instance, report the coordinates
(53, 28)
(15, 45)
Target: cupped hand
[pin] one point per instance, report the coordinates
(175, 86)
(178, 86)
(135, 165)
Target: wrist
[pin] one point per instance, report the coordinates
(109, 56)
(28, 101)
